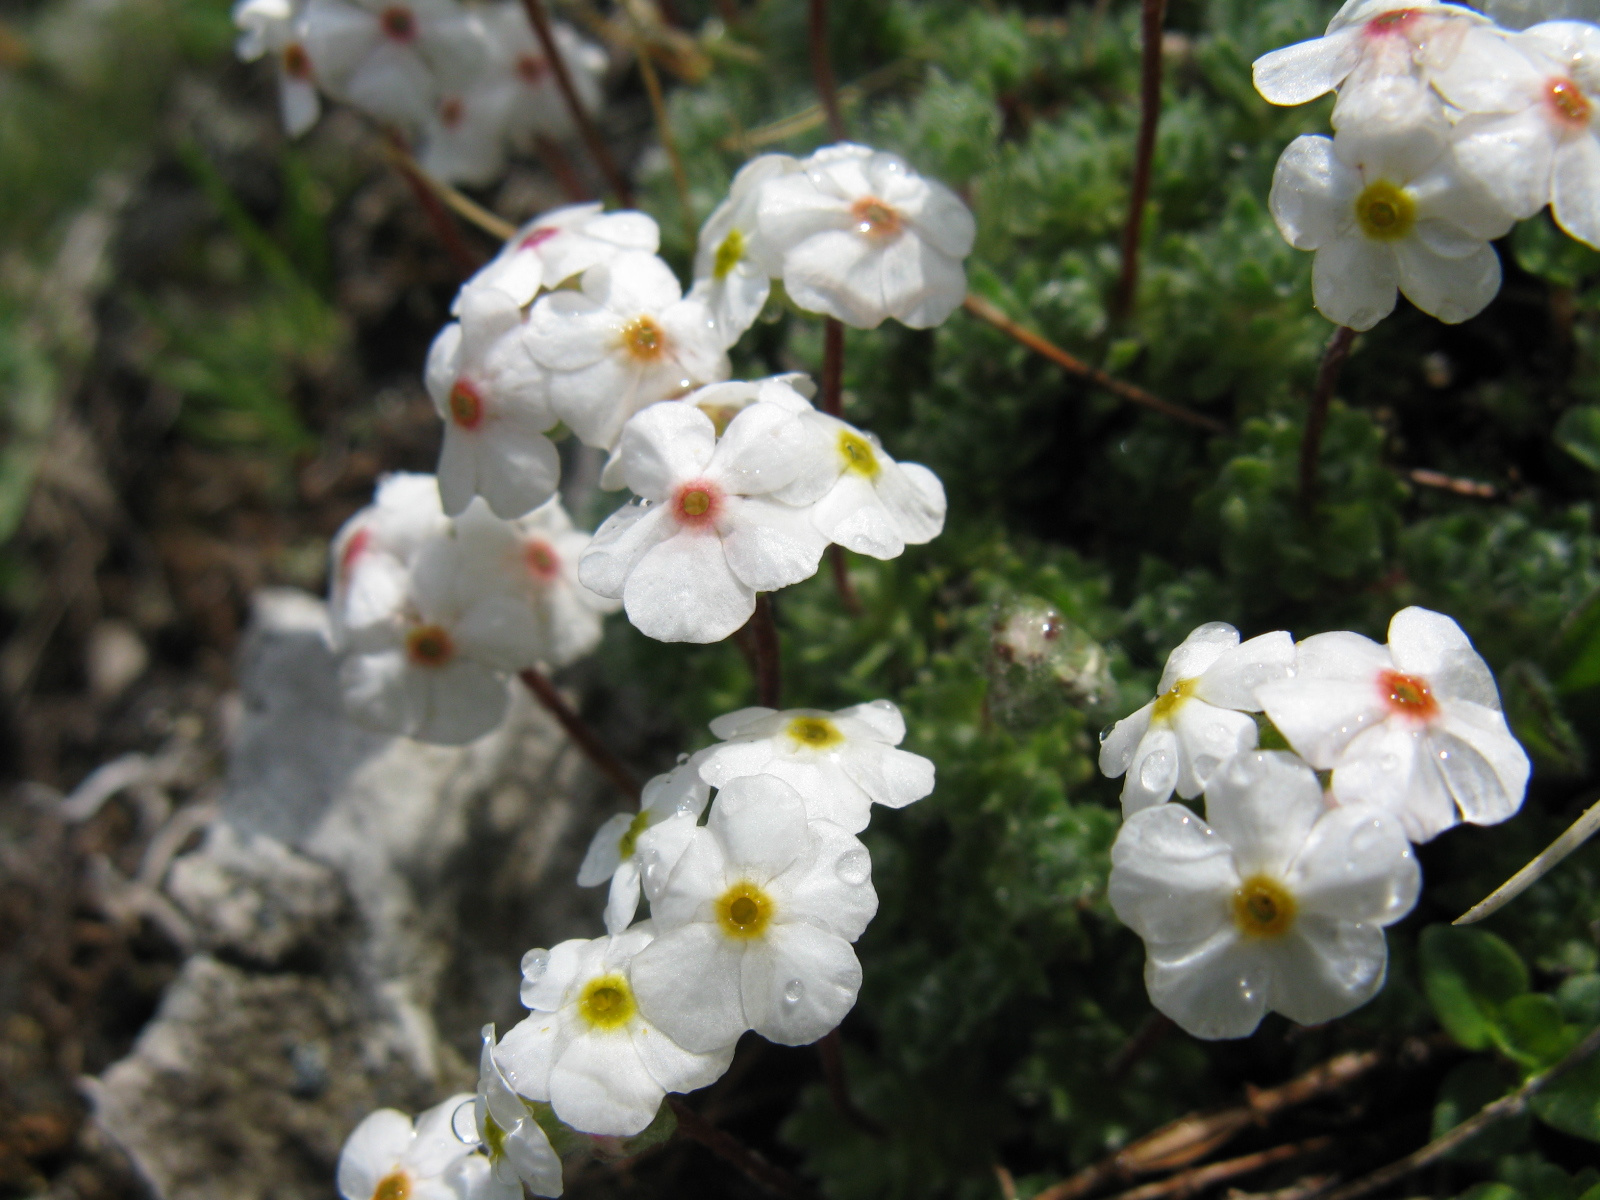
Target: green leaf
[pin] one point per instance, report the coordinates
(1579, 998)
(1579, 647)
(1468, 975)
(1535, 1034)
(1578, 433)
(1491, 1191)
(1543, 250)
(1534, 711)
(1572, 1103)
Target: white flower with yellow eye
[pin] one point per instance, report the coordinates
(386, 1158)
(494, 401)
(370, 559)
(734, 266)
(519, 1152)
(1199, 718)
(754, 926)
(277, 27)
(559, 244)
(1388, 218)
(670, 804)
(626, 339)
(587, 1049)
(841, 763)
(1275, 901)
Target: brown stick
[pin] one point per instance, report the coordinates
(580, 115)
(586, 739)
(462, 205)
(841, 581)
(728, 1148)
(768, 653)
(832, 367)
(1153, 16)
(555, 158)
(822, 70)
(1193, 1182)
(985, 311)
(1333, 356)
(669, 143)
(1490, 1114)
(438, 216)
(1148, 1037)
(831, 1051)
(1451, 483)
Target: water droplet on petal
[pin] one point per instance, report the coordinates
(854, 866)
(534, 963)
(793, 991)
(1106, 732)
(1155, 773)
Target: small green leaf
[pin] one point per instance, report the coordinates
(1578, 433)
(1534, 1033)
(1572, 1103)
(1491, 1191)
(1468, 975)
(1579, 998)
(1543, 250)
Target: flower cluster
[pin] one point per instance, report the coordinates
(467, 82)
(1278, 899)
(1447, 130)
(431, 613)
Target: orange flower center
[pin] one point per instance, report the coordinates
(466, 405)
(541, 560)
(1407, 695)
(644, 339)
(430, 646)
(1568, 103)
(697, 503)
(396, 1186)
(398, 23)
(296, 62)
(874, 218)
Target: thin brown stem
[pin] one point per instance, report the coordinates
(822, 70)
(669, 143)
(1423, 477)
(1194, 1181)
(833, 367)
(1333, 356)
(1153, 16)
(439, 218)
(580, 115)
(1579, 832)
(1490, 1114)
(768, 653)
(841, 580)
(1149, 1036)
(831, 1050)
(731, 1150)
(554, 156)
(985, 311)
(462, 205)
(578, 730)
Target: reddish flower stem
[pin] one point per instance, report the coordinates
(555, 157)
(822, 70)
(731, 1150)
(832, 367)
(1333, 356)
(1153, 16)
(768, 653)
(444, 225)
(578, 730)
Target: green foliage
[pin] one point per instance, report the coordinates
(1470, 976)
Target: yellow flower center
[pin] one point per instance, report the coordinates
(1385, 212)
(629, 841)
(607, 1002)
(394, 1186)
(858, 454)
(494, 1138)
(644, 339)
(728, 254)
(430, 646)
(744, 910)
(1263, 908)
(1172, 699)
(695, 503)
(815, 733)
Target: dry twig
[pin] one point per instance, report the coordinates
(1579, 832)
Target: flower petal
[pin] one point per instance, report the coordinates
(1326, 968)
(1353, 281)
(1356, 865)
(682, 590)
(1213, 989)
(1172, 877)
(1452, 289)
(799, 983)
(1264, 804)
(688, 986)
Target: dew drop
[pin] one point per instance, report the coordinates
(534, 963)
(854, 866)
(1107, 731)
(793, 991)
(1155, 773)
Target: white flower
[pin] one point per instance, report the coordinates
(386, 57)
(520, 1155)
(1413, 728)
(559, 244)
(1533, 139)
(385, 1158)
(433, 671)
(1198, 719)
(370, 559)
(1279, 903)
(587, 1049)
(463, 137)
(864, 237)
(535, 558)
(536, 107)
(688, 561)
(675, 799)
(627, 339)
(275, 27)
(734, 266)
(1390, 220)
(754, 926)
(841, 762)
(493, 399)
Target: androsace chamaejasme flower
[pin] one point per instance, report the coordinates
(674, 799)
(519, 1152)
(386, 1156)
(559, 244)
(733, 266)
(369, 566)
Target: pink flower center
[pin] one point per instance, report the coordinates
(398, 23)
(537, 238)
(430, 646)
(354, 549)
(1399, 21)
(531, 69)
(874, 218)
(697, 503)
(1567, 103)
(296, 62)
(1407, 696)
(451, 110)
(466, 405)
(541, 561)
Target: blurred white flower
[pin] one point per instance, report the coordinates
(559, 244)
(535, 558)
(863, 237)
(536, 107)
(733, 266)
(1390, 220)
(676, 798)
(841, 763)
(626, 339)
(754, 926)
(370, 558)
(463, 138)
(1199, 718)
(494, 401)
(519, 1152)
(689, 559)
(276, 27)
(1413, 728)
(387, 1159)
(1531, 136)
(1278, 903)
(587, 1049)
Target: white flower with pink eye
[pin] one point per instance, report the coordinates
(494, 401)
(1199, 718)
(370, 560)
(386, 56)
(863, 237)
(1413, 728)
(707, 535)
(669, 808)
(1530, 136)
(276, 27)
(463, 139)
(535, 559)
(387, 1158)
(623, 341)
(536, 108)
(734, 266)
(559, 244)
